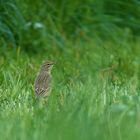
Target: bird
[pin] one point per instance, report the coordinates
(43, 81)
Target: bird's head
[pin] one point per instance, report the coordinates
(47, 66)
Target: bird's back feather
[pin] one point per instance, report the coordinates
(43, 84)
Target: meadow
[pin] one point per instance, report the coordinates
(96, 78)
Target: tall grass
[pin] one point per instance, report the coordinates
(60, 20)
(11, 22)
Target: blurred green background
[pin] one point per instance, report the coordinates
(96, 79)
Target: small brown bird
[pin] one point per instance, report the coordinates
(43, 80)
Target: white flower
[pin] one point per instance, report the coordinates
(38, 25)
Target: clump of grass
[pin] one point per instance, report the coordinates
(11, 23)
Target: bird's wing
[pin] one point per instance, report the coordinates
(42, 84)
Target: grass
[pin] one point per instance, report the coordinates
(95, 93)
(62, 20)
(96, 79)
